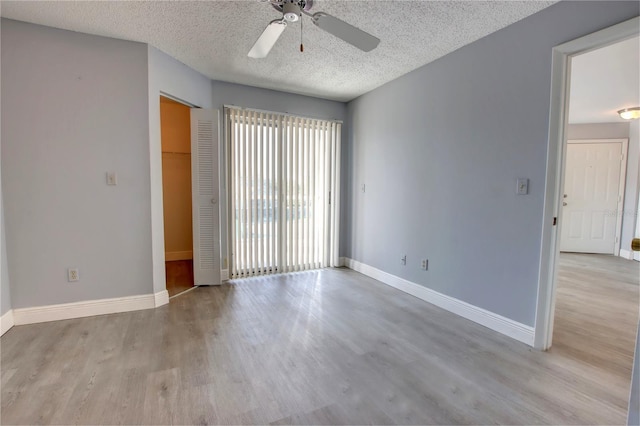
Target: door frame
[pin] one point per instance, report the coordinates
(157, 199)
(636, 254)
(621, 184)
(188, 105)
(556, 153)
(161, 172)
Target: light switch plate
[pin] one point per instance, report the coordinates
(523, 186)
(112, 178)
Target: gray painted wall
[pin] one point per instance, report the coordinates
(618, 131)
(440, 150)
(5, 290)
(75, 107)
(270, 100)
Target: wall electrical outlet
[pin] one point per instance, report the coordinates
(403, 260)
(73, 274)
(425, 264)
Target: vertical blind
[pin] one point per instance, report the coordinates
(284, 192)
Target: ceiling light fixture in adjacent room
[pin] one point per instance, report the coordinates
(630, 113)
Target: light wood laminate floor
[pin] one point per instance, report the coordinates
(325, 347)
(597, 303)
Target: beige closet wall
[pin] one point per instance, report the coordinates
(176, 179)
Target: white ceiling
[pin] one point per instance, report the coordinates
(214, 37)
(604, 81)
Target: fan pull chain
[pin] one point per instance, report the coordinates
(301, 45)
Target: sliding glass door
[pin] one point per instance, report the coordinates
(284, 180)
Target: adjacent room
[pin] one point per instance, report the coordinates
(319, 212)
(597, 287)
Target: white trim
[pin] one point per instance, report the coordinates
(503, 325)
(161, 298)
(224, 275)
(171, 256)
(89, 308)
(6, 322)
(626, 254)
(184, 292)
(558, 112)
(178, 100)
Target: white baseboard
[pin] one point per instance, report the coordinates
(506, 326)
(627, 254)
(224, 275)
(178, 255)
(6, 322)
(89, 308)
(161, 298)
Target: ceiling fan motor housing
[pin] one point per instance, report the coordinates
(291, 11)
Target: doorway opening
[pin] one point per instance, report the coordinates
(175, 130)
(589, 289)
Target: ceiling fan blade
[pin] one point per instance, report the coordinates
(267, 39)
(347, 32)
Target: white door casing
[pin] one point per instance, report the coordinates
(205, 196)
(554, 188)
(636, 254)
(593, 196)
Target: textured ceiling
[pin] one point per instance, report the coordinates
(604, 81)
(214, 37)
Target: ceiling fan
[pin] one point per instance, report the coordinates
(292, 11)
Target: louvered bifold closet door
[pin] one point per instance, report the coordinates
(284, 180)
(205, 194)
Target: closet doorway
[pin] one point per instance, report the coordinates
(175, 127)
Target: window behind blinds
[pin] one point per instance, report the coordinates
(284, 180)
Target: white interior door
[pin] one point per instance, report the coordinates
(205, 195)
(593, 191)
